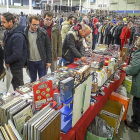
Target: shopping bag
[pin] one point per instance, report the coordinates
(8, 78)
(90, 136)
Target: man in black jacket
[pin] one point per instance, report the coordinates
(15, 48)
(73, 43)
(39, 48)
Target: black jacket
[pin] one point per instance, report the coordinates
(72, 46)
(1, 60)
(43, 44)
(15, 47)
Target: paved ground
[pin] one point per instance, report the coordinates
(124, 132)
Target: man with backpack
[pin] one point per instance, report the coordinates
(15, 48)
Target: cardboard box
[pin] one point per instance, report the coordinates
(120, 60)
(121, 99)
(115, 108)
(95, 87)
(121, 53)
(126, 50)
(115, 67)
(108, 73)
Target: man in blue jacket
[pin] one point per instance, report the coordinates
(15, 48)
(22, 20)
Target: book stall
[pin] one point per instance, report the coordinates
(63, 104)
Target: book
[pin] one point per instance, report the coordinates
(10, 123)
(21, 118)
(51, 127)
(9, 132)
(4, 133)
(35, 117)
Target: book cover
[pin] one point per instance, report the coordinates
(21, 118)
(43, 94)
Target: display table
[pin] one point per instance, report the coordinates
(69, 136)
(81, 126)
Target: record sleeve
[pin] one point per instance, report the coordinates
(41, 122)
(21, 118)
(4, 133)
(14, 130)
(35, 117)
(1, 135)
(51, 128)
(9, 132)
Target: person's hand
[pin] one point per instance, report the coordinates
(83, 59)
(7, 65)
(123, 68)
(1, 43)
(127, 40)
(48, 65)
(58, 58)
(86, 38)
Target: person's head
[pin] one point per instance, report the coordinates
(137, 43)
(48, 18)
(21, 13)
(130, 24)
(85, 31)
(7, 20)
(71, 19)
(34, 23)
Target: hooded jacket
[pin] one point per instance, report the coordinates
(15, 47)
(73, 44)
(65, 28)
(43, 44)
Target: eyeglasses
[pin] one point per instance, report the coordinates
(35, 25)
(48, 19)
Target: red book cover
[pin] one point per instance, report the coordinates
(43, 94)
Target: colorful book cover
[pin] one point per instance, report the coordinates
(21, 118)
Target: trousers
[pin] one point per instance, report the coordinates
(34, 68)
(17, 78)
(136, 112)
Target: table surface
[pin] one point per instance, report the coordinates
(81, 126)
(79, 130)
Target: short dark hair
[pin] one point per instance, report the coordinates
(70, 17)
(8, 16)
(33, 17)
(21, 13)
(48, 13)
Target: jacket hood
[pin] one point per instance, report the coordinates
(95, 20)
(17, 29)
(77, 27)
(65, 23)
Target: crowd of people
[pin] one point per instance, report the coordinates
(37, 43)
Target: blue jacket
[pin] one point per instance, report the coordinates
(22, 20)
(15, 47)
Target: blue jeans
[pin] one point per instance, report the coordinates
(95, 37)
(60, 61)
(34, 68)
